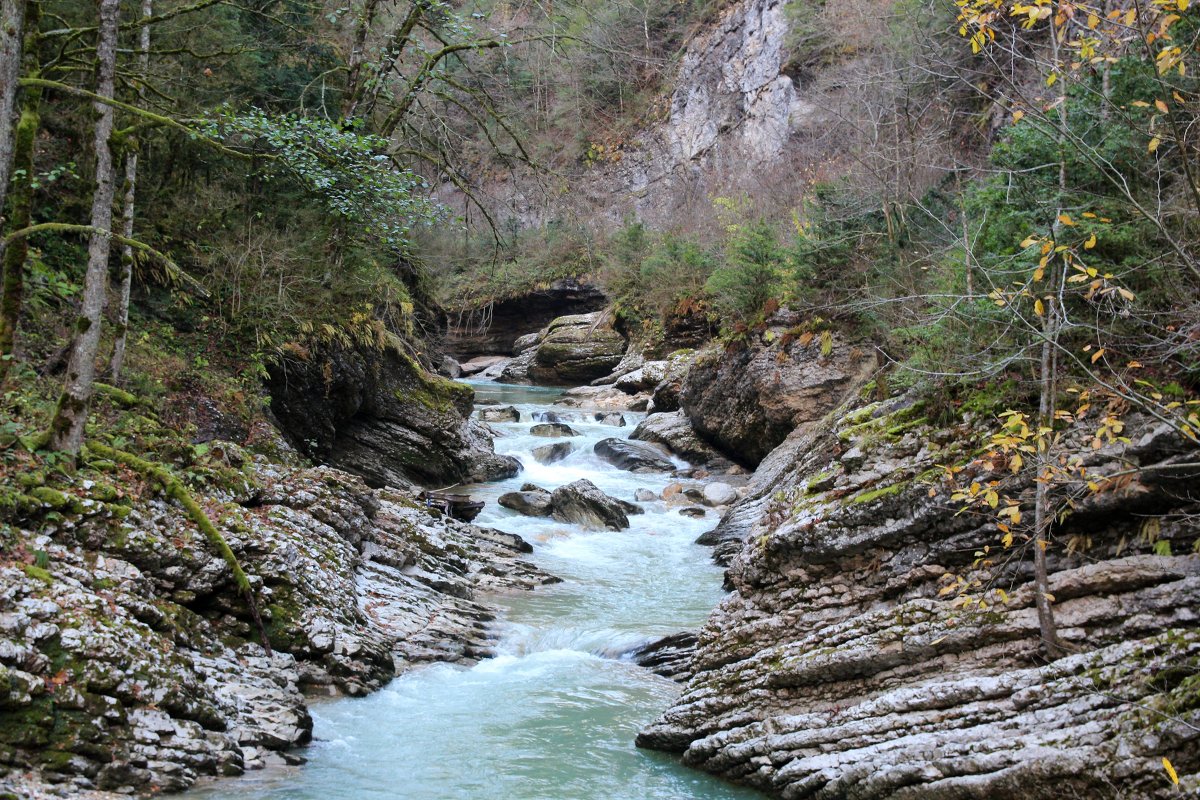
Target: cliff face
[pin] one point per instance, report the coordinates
(128, 660)
(377, 413)
(839, 668)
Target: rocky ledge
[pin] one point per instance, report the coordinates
(842, 665)
(129, 662)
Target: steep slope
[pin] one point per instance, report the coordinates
(840, 668)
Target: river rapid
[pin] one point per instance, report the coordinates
(555, 713)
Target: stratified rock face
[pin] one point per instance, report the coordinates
(581, 502)
(376, 413)
(841, 667)
(508, 321)
(670, 656)
(746, 400)
(128, 659)
(576, 350)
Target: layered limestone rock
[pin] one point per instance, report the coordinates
(843, 666)
(745, 399)
(570, 351)
(128, 660)
(377, 413)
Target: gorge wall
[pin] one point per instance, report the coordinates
(842, 666)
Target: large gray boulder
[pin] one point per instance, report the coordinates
(552, 430)
(644, 378)
(532, 501)
(582, 503)
(633, 456)
(576, 350)
(550, 453)
(503, 414)
(674, 431)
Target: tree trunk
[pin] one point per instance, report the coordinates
(66, 430)
(131, 164)
(12, 24)
(13, 257)
(1043, 518)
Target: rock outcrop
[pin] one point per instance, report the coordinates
(570, 351)
(375, 412)
(746, 399)
(128, 661)
(674, 431)
(497, 329)
(851, 662)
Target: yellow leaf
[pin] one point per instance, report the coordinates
(1161, 106)
(1174, 776)
(1093, 21)
(1183, 6)
(1017, 116)
(1134, 365)
(1154, 143)
(1038, 308)
(1039, 273)
(1140, 104)
(1131, 16)
(1051, 80)
(1128, 295)
(1096, 356)
(1032, 240)
(1065, 219)
(1090, 243)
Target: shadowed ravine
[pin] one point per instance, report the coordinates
(554, 715)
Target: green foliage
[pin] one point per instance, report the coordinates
(350, 172)
(753, 272)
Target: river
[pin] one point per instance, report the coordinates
(553, 715)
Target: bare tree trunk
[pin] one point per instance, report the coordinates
(66, 429)
(12, 29)
(1043, 518)
(13, 257)
(131, 164)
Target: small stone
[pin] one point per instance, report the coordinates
(645, 496)
(695, 512)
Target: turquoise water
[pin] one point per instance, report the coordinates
(554, 715)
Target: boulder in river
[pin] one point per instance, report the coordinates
(695, 512)
(633, 456)
(478, 365)
(576, 350)
(552, 430)
(581, 502)
(532, 501)
(674, 431)
(550, 453)
(645, 496)
(503, 414)
(613, 418)
(718, 494)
